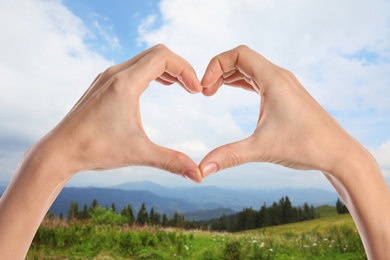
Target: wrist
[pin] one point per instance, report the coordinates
(51, 159)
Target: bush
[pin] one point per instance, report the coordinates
(129, 243)
(232, 250)
(101, 215)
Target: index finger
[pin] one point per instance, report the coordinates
(162, 60)
(243, 59)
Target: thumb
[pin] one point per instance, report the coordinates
(173, 161)
(229, 155)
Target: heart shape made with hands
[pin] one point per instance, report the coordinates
(222, 70)
(292, 129)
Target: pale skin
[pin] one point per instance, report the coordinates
(104, 131)
(293, 130)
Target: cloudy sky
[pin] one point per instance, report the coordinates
(50, 51)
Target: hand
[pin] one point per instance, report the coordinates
(293, 130)
(104, 129)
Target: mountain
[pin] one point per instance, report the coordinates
(208, 197)
(121, 198)
(194, 202)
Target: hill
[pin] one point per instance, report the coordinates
(317, 225)
(200, 199)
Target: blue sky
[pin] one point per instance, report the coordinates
(52, 50)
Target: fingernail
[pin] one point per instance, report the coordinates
(209, 168)
(191, 175)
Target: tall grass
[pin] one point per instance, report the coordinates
(327, 238)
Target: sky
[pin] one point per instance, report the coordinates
(50, 51)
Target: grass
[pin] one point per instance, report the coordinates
(333, 237)
(325, 211)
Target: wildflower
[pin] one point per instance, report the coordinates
(271, 250)
(262, 244)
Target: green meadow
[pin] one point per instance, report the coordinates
(329, 237)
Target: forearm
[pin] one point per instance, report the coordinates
(25, 202)
(361, 185)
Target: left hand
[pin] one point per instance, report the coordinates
(104, 129)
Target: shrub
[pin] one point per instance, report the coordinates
(232, 250)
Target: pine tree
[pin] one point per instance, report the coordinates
(151, 216)
(287, 210)
(142, 216)
(340, 207)
(165, 221)
(127, 212)
(73, 212)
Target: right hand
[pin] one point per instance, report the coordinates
(293, 130)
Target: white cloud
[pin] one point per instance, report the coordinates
(382, 155)
(105, 32)
(326, 44)
(45, 66)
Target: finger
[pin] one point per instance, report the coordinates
(234, 80)
(162, 60)
(188, 79)
(164, 82)
(211, 90)
(248, 62)
(229, 155)
(172, 161)
(237, 79)
(167, 79)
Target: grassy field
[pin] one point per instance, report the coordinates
(332, 237)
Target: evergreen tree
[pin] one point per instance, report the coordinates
(84, 214)
(275, 213)
(151, 216)
(287, 210)
(113, 207)
(264, 218)
(127, 212)
(177, 220)
(142, 216)
(157, 219)
(73, 212)
(340, 207)
(164, 221)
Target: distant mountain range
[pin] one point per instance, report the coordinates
(203, 202)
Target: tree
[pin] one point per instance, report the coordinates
(127, 212)
(164, 222)
(151, 216)
(154, 217)
(113, 207)
(106, 216)
(263, 218)
(84, 214)
(287, 210)
(142, 216)
(73, 212)
(340, 207)
(177, 220)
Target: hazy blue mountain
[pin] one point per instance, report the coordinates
(208, 197)
(121, 198)
(194, 202)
